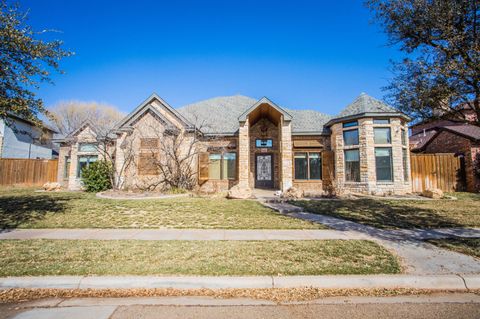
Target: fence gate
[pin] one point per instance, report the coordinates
(439, 170)
(27, 172)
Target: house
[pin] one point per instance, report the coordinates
(21, 138)
(451, 136)
(257, 144)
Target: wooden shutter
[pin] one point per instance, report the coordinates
(203, 167)
(147, 164)
(328, 169)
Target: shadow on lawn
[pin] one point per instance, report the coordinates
(379, 213)
(21, 209)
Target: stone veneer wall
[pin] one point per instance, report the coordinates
(264, 129)
(368, 182)
(310, 187)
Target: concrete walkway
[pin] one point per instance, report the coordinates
(179, 234)
(342, 230)
(418, 257)
(437, 282)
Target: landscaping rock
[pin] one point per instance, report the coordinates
(293, 193)
(52, 187)
(434, 193)
(239, 193)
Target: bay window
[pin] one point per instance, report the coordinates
(352, 165)
(383, 163)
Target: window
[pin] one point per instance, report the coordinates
(382, 135)
(406, 172)
(222, 166)
(264, 143)
(87, 147)
(350, 137)
(66, 170)
(404, 137)
(383, 162)
(229, 166)
(301, 165)
(84, 161)
(149, 142)
(350, 124)
(315, 165)
(352, 165)
(308, 165)
(147, 164)
(381, 121)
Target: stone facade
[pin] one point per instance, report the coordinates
(368, 176)
(155, 120)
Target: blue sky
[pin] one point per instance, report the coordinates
(301, 54)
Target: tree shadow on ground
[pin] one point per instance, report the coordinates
(22, 209)
(380, 214)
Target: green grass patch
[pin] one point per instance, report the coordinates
(130, 257)
(23, 208)
(468, 246)
(394, 214)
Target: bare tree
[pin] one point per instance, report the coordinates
(67, 116)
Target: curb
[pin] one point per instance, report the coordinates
(436, 282)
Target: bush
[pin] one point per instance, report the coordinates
(96, 177)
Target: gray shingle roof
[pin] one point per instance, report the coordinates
(220, 114)
(366, 104)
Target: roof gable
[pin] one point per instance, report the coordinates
(86, 124)
(264, 100)
(148, 106)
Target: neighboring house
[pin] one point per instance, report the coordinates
(23, 139)
(258, 144)
(447, 136)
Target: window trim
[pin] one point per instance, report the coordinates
(88, 162)
(221, 166)
(263, 139)
(308, 179)
(389, 128)
(391, 166)
(68, 163)
(351, 130)
(350, 124)
(345, 165)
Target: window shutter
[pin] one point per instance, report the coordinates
(203, 167)
(328, 169)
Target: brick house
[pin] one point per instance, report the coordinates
(258, 144)
(449, 136)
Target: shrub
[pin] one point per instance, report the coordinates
(96, 177)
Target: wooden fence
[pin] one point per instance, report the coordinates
(440, 170)
(27, 172)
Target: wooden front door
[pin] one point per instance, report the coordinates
(264, 171)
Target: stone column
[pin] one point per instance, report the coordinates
(73, 182)
(286, 155)
(119, 160)
(243, 154)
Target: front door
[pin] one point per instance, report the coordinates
(264, 171)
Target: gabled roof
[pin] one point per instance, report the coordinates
(146, 106)
(469, 131)
(220, 115)
(365, 106)
(264, 100)
(85, 124)
(419, 141)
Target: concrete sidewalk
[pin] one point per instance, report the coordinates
(180, 234)
(444, 282)
(343, 230)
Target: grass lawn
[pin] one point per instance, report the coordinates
(122, 257)
(468, 246)
(23, 208)
(392, 214)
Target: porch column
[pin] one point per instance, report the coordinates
(243, 154)
(286, 155)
